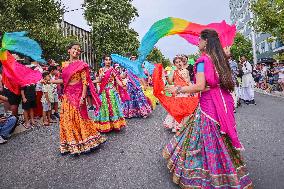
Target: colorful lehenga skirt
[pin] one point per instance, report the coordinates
(200, 157)
(150, 97)
(137, 106)
(111, 115)
(78, 133)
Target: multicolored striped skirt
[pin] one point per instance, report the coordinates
(111, 115)
(137, 106)
(200, 157)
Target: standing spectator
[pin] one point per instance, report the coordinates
(46, 99)
(235, 72)
(263, 76)
(247, 82)
(53, 76)
(256, 74)
(38, 109)
(29, 103)
(7, 122)
(281, 77)
(189, 67)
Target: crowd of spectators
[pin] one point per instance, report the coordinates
(269, 77)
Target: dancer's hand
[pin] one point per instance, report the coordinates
(170, 89)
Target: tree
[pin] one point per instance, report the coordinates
(269, 17)
(157, 56)
(110, 20)
(241, 47)
(194, 56)
(40, 19)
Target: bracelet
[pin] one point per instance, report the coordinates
(178, 91)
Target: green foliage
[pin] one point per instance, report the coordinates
(40, 18)
(241, 47)
(110, 20)
(269, 17)
(194, 56)
(156, 56)
(279, 57)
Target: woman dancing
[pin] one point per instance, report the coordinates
(206, 152)
(137, 106)
(112, 92)
(78, 133)
(180, 77)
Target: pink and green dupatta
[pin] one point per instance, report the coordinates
(106, 79)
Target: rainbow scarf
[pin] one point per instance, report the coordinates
(174, 26)
(16, 75)
(18, 42)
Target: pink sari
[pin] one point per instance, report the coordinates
(218, 103)
(106, 79)
(74, 92)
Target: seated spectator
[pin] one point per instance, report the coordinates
(7, 123)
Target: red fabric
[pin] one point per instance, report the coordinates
(16, 75)
(178, 107)
(226, 32)
(179, 80)
(38, 109)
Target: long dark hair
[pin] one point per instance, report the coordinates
(215, 50)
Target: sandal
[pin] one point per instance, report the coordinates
(27, 126)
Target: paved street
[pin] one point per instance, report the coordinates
(132, 159)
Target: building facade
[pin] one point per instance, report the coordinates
(241, 16)
(84, 37)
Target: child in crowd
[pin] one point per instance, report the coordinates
(53, 76)
(46, 99)
(28, 94)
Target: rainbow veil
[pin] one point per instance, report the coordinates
(177, 107)
(14, 74)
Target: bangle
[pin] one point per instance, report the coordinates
(178, 90)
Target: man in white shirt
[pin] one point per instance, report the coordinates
(247, 82)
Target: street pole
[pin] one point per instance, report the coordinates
(93, 24)
(253, 40)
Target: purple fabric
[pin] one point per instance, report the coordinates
(218, 103)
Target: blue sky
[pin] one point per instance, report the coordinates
(150, 11)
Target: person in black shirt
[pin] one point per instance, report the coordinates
(29, 103)
(188, 67)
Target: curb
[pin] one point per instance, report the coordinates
(268, 94)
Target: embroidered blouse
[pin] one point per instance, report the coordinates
(78, 76)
